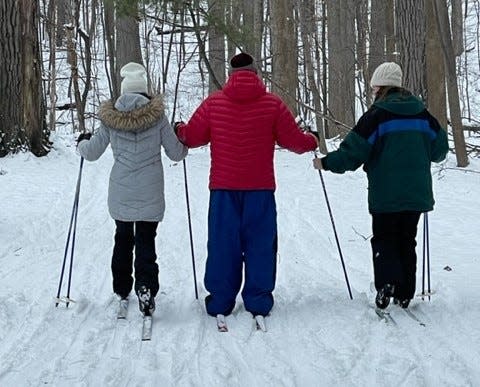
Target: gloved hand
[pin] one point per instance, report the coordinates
(306, 128)
(310, 131)
(317, 163)
(176, 125)
(84, 136)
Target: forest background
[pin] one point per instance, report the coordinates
(58, 61)
(60, 58)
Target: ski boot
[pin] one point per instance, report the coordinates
(146, 302)
(383, 296)
(402, 303)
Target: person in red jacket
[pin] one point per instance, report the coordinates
(242, 122)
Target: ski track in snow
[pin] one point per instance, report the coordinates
(316, 336)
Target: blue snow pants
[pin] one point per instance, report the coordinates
(242, 231)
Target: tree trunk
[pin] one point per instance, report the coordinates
(390, 41)
(378, 35)
(73, 62)
(443, 25)
(324, 66)
(252, 28)
(127, 45)
(436, 89)
(52, 66)
(457, 27)
(410, 16)
(233, 15)
(284, 52)
(62, 20)
(257, 30)
(308, 28)
(249, 39)
(22, 107)
(109, 32)
(341, 64)
(216, 43)
(361, 17)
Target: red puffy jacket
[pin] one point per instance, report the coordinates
(242, 123)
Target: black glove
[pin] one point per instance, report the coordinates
(308, 130)
(84, 136)
(176, 125)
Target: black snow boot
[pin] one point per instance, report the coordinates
(383, 296)
(146, 302)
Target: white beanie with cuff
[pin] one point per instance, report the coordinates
(134, 78)
(387, 74)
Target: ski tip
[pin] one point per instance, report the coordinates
(260, 323)
(147, 328)
(221, 323)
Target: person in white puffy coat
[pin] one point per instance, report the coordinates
(136, 128)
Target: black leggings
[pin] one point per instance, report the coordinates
(141, 236)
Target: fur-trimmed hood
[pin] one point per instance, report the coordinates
(132, 112)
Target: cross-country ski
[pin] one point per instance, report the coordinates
(147, 323)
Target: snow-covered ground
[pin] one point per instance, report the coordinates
(316, 335)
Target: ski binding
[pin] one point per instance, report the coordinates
(147, 328)
(384, 316)
(260, 323)
(221, 323)
(122, 309)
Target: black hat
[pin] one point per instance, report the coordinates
(242, 61)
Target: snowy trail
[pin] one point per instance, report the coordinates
(316, 335)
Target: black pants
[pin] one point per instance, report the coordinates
(393, 247)
(140, 235)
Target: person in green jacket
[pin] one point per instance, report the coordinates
(395, 140)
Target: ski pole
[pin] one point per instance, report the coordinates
(190, 227)
(427, 250)
(190, 231)
(185, 177)
(423, 260)
(426, 257)
(74, 233)
(334, 230)
(427, 233)
(73, 224)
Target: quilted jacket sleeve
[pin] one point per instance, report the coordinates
(288, 134)
(440, 146)
(197, 131)
(354, 150)
(174, 149)
(92, 149)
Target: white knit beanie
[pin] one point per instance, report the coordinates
(387, 74)
(134, 78)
